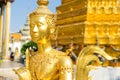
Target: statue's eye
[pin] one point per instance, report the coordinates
(32, 25)
(39, 24)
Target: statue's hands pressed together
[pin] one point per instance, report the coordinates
(23, 73)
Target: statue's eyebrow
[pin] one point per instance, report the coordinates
(32, 24)
(41, 23)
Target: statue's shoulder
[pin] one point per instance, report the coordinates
(62, 56)
(57, 53)
(65, 62)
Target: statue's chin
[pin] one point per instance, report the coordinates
(35, 40)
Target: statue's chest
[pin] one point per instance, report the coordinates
(44, 65)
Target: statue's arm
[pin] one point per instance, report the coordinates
(23, 73)
(66, 68)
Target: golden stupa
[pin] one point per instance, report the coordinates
(90, 22)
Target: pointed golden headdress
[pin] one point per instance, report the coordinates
(42, 11)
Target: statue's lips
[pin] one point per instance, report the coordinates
(35, 35)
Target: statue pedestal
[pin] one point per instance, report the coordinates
(6, 69)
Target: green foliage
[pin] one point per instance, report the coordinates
(29, 45)
(0, 61)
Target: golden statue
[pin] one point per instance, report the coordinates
(47, 63)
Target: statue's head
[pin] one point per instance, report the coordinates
(41, 23)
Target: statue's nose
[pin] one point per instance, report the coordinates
(35, 28)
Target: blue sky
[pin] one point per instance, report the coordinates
(20, 9)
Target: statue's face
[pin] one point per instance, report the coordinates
(39, 29)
